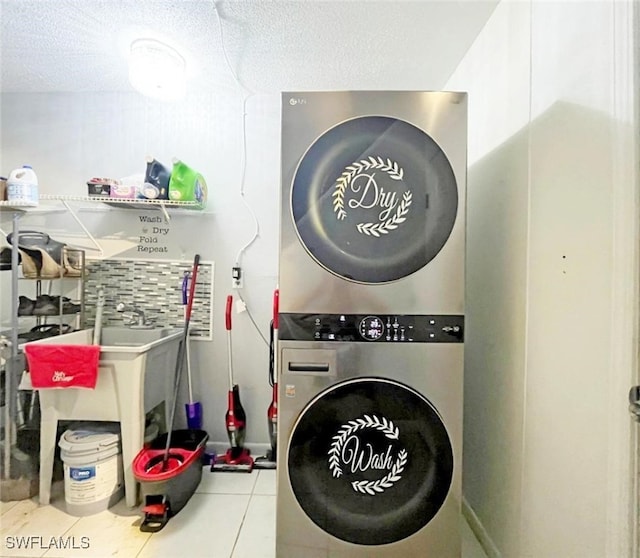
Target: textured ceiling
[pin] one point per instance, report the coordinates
(82, 45)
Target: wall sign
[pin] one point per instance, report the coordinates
(153, 235)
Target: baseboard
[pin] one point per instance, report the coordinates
(479, 531)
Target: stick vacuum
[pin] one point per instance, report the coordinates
(269, 460)
(237, 458)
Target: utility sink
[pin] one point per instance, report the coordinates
(143, 339)
(136, 373)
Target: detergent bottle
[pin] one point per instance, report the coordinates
(187, 185)
(22, 187)
(156, 180)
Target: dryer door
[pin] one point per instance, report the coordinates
(370, 461)
(374, 199)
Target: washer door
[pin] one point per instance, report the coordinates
(370, 461)
(374, 199)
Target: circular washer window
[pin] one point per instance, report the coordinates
(370, 461)
(374, 199)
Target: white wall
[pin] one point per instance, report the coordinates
(549, 343)
(69, 138)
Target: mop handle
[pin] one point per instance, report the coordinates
(190, 281)
(227, 320)
(188, 294)
(192, 287)
(180, 361)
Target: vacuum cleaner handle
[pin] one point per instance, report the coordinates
(227, 314)
(276, 306)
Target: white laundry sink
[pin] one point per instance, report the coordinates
(114, 338)
(136, 373)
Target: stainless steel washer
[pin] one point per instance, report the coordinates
(370, 344)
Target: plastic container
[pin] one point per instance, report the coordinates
(123, 191)
(22, 187)
(169, 488)
(187, 185)
(93, 473)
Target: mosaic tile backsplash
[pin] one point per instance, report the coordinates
(152, 286)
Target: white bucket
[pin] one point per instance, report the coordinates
(93, 474)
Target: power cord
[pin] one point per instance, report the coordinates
(251, 318)
(247, 95)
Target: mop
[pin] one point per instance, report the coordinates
(169, 476)
(192, 408)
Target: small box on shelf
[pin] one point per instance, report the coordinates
(103, 190)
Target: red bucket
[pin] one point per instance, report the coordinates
(174, 483)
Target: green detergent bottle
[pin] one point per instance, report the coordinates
(187, 185)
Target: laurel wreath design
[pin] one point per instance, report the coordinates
(389, 430)
(376, 229)
(394, 171)
(380, 485)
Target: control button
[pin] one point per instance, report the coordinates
(454, 331)
(371, 328)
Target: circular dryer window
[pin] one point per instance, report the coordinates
(374, 199)
(370, 461)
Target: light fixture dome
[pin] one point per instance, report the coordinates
(157, 70)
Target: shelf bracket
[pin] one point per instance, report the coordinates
(98, 248)
(165, 212)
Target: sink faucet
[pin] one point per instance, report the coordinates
(138, 318)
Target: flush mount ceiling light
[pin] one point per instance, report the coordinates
(157, 70)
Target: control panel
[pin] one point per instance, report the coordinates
(371, 328)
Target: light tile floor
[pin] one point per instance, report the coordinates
(229, 516)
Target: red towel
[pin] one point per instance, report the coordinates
(63, 366)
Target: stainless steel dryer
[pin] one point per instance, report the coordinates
(370, 341)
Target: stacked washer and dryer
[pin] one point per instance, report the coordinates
(371, 324)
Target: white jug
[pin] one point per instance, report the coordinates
(22, 187)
